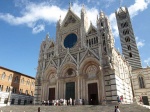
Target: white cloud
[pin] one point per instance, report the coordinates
(46, 12)
(140, 43)
(147, 61)
(38, 28)
(138, 6)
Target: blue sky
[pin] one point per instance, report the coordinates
(25, 23)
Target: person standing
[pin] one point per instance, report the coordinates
(117, 109)
(118, 99)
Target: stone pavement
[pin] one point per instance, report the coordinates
(84, 108)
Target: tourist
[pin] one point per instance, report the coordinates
(70, 101)
(118, 99)
(104, 101)
(82, 101)
(141, 100)
(121, 98)
(117, 109)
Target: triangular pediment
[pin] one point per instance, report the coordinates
(89, 53)
(51, 63)
(71, 18)
(92, 30)
(68, 58)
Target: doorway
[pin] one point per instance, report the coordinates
(93, 94)
(145, 100)
(51, 94)
(70, 90)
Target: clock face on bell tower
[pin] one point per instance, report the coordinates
(70, 40)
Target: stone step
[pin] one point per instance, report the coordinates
(80, 108)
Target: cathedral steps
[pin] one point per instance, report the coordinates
(85, 108)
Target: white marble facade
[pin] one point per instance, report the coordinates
(91, 63)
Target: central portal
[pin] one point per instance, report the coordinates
(93, 94)
(70, 90)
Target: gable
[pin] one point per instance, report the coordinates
(71, 18)
(91, 30)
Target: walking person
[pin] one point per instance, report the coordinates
(118, 99)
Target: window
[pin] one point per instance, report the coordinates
(129, 47)
(127, 39)
(31, 93)
(125, 24)
(22, 80)
(7, 89)
(3, 75)
(101, 24)
(6, 100)
(26, 92)
(16, 79)
(130, 55)
(141, 82)
(10, 77)
(14, 90)
(126, 31)
(1, 87)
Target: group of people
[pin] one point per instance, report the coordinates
(62, 102)
(120, 99)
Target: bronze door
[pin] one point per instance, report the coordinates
(70, 90)
(93, 94)
(51, 94)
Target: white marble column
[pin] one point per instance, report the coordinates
(78, 87)
(57, 90)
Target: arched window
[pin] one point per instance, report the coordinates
(127, 39)
(10, 77)
(130, 55)
(16, 79)
(129, 47)
(141, 82)
(3, 75)
(22, 80)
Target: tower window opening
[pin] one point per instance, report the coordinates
(94, 40)
(125, 24)
(127, 39)
(125, 32)
(102, 24)
(130, 54)
(129, 47)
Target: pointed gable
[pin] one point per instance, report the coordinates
(71, 17)
(91, 30)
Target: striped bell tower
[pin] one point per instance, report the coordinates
(127, 38)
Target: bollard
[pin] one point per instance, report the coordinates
(10, 110)
(1, 111)
(39, 109)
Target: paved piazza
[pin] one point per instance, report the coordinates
(85, 108)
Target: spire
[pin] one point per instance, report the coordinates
(47, 36)
(83, 9)
(102, 15)
(70, 5)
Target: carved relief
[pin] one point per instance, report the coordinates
(52, 78)
(91, 71)
(69, 20)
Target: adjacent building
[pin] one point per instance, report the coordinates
(15, 88)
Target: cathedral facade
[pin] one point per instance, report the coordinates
(82, 63)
